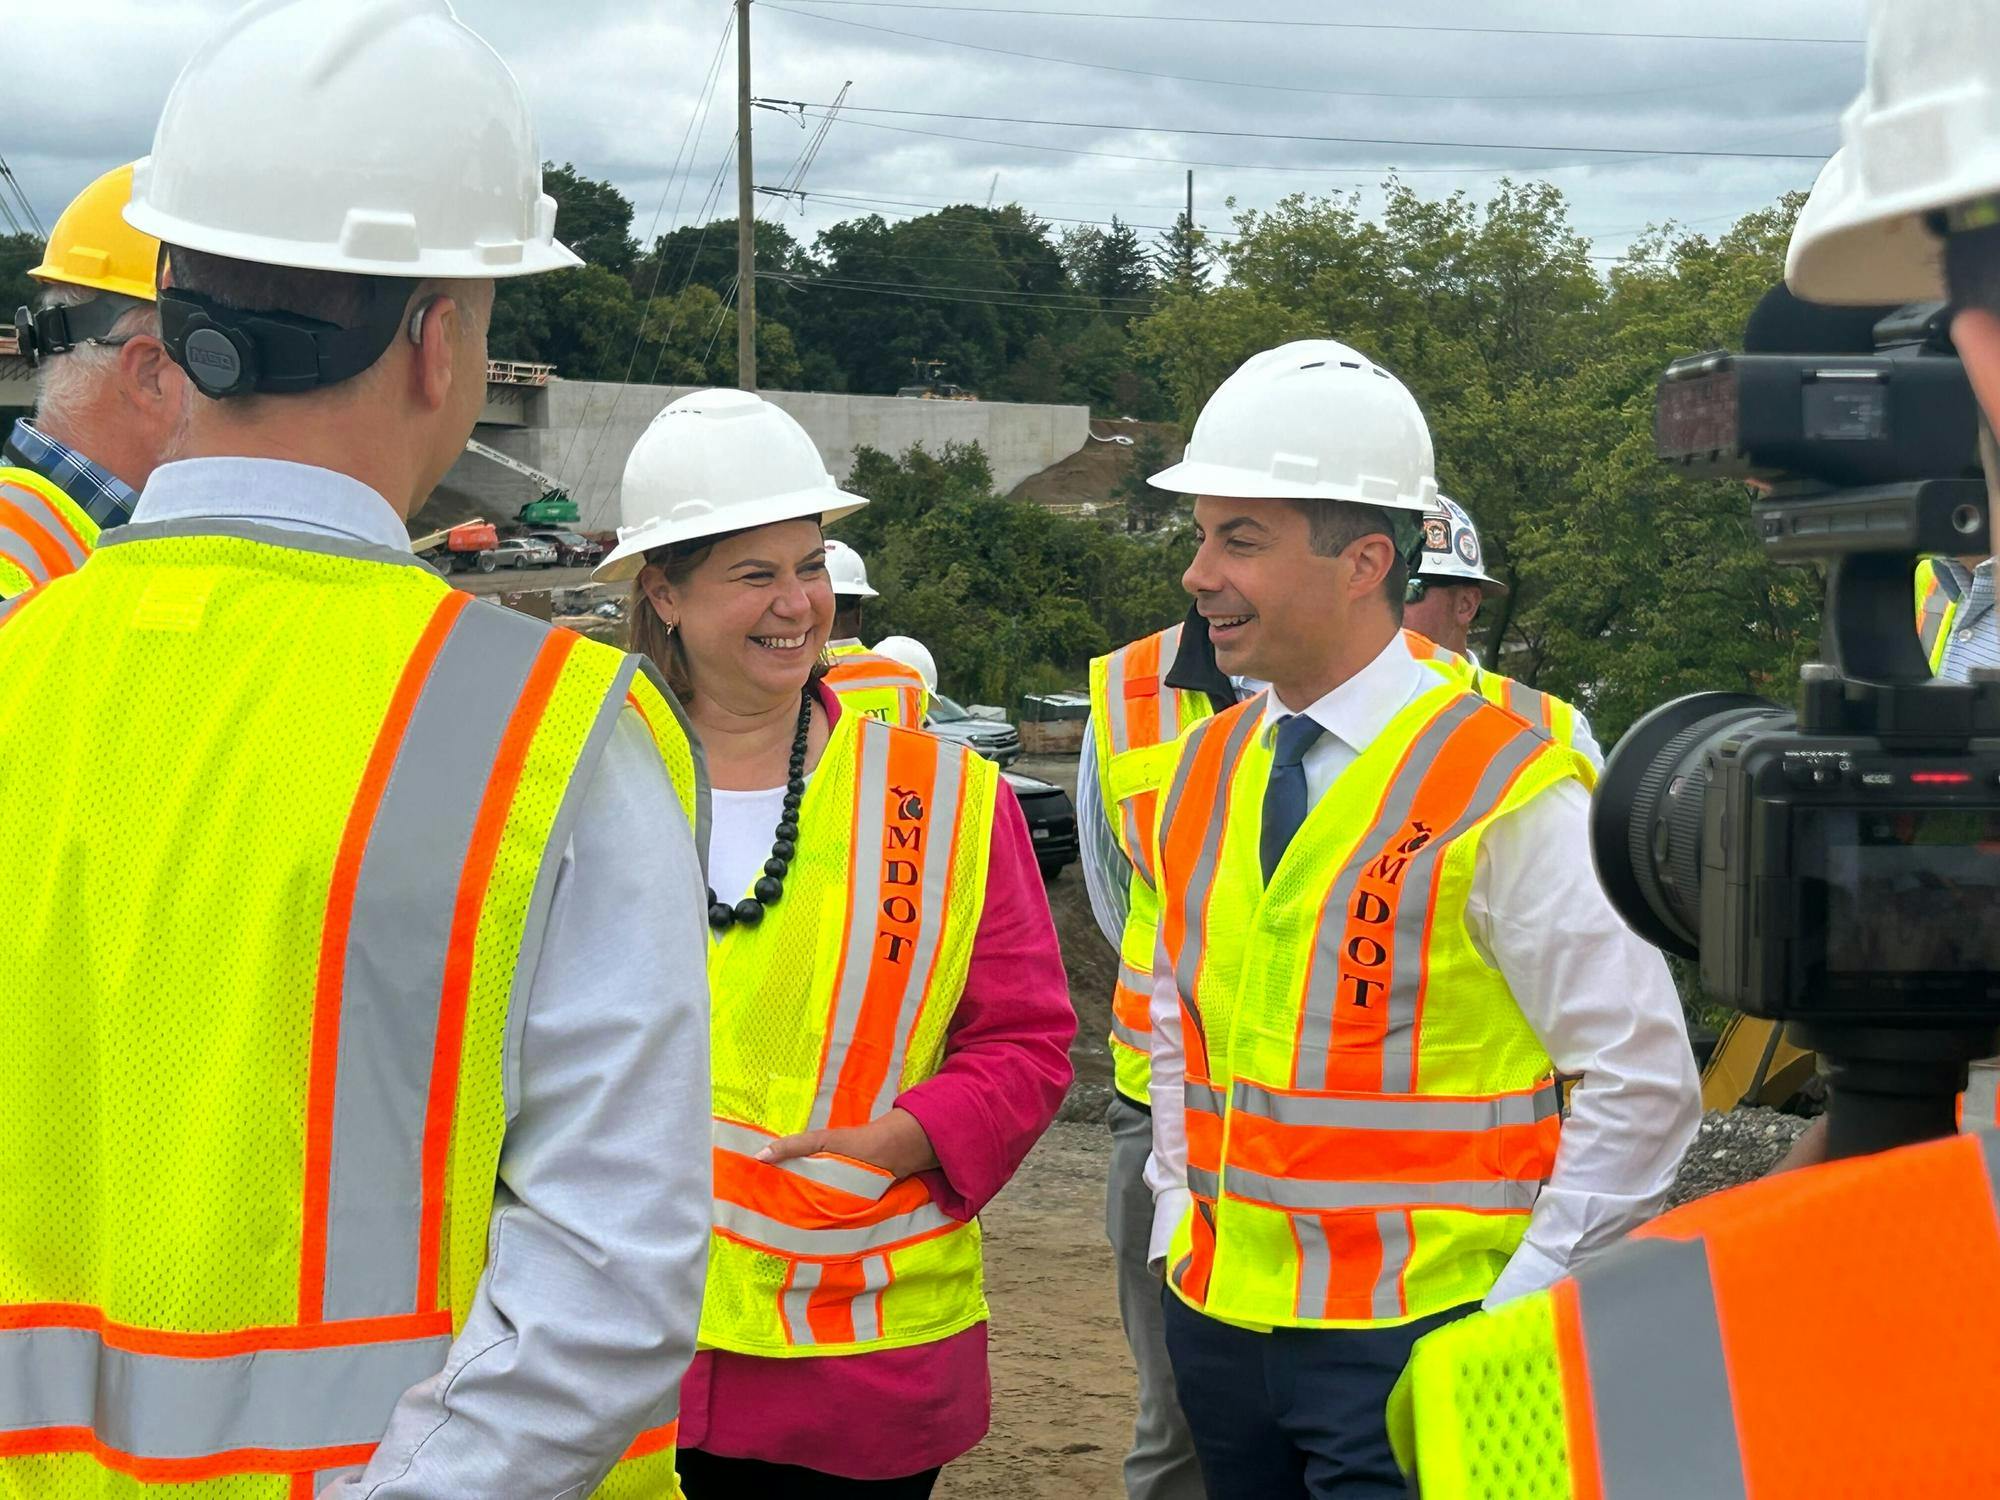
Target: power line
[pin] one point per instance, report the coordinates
(859, 282)
(1114, 15)
(1630, 158)
(1342, 140)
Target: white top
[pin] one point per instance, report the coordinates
(741, 827)
(585, 1320)
(1599, 999)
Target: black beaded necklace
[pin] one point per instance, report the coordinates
(750, 910)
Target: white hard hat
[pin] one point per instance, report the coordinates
(382, 139)
(1452, 553)
(847, 570)
(714, 462)
(911, 653)
(1922, 138)
(1312, 420)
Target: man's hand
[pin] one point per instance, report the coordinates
(895, 1142)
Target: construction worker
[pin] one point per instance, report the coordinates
(109, 404)
(871, 684)
(891, 1021)
(1381, 939)
(1664, 1359)
(1441, 604)
(1671, 1365)
(915, 655)
(352, 1061)
(1143, 697)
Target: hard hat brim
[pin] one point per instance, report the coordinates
(852, 591)
(1852, 248)
(1232, 483)
(628, 558)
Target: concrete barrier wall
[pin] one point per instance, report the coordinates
(592, 427)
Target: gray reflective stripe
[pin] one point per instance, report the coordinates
(1392, 1228)
(48, 518)
(1170, 698)
(1413, 909)
(1202, 1098)
(536, 925)
(1982, 1097)
(165, 1407)
(702, 803)
(1315, 1276)
(1411, 1112)
(1659, 1384)
(1201, 879)
(1309, 1065)
(1139, 981)
(1201, 1180)
(397, 941)
(1138, 1041)
(788, 1239)
(825, 1170)
(1327, 1197)
(935, 861)
(1989, 1151)
(871, 788)
(8, 606)
(1114, 699)
(251, 531)
(15, 549)
(868, 1304)
(845, 685)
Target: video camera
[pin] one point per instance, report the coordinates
(1837, 868)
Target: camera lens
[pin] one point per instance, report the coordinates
(1646, 819)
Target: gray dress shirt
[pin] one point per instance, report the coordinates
(584, 1322)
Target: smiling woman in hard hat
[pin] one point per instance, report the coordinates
(890, 1023)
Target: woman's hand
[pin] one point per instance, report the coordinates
(896, 1143)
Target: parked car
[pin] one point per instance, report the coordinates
(1051, 821)
(995, 739)
(526, 552)
(573, 548)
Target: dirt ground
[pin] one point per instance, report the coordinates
(1094, 472)
(1062, 1380)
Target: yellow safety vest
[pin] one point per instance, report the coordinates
(1937, 607)
(878, 687)
(43, 533)
(823, 1013)
(1136, 718)
(1369, 1115)
(1544, 709)
(254, 993)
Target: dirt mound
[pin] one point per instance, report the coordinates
(1092, 474)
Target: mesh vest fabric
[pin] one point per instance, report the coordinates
(823, 1013)
(1136, 718)
(1937, 608)
(43, 533)
(1369, 1115)
(1542, 709)
(1669, 1364)
(263, 1108)
(879, 687)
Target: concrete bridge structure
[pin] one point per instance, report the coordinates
(581, 431)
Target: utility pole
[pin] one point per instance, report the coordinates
(746, 218)
(1190, 223)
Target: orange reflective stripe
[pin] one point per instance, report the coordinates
(501, 786)
(1309, 1153)
(1351, 1264)
(653, 1440)
(46, 1440)
(1579, 1414)
(50, 549)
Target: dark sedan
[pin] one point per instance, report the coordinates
(1051, 821)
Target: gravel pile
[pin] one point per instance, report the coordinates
(1733, 1148)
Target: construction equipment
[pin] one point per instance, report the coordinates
(929, 387)
(553, 508)
(1753, 1063)
(468, 546)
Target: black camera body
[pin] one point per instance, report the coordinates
(1836, 867)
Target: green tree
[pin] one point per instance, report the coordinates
(1147, 508)
(593, 218)
(1181, 257)
(18, 254)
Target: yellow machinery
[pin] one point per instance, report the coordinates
(1753, 1063)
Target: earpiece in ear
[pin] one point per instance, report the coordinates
(417, 319)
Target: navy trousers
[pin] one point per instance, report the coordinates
(1296, 1412)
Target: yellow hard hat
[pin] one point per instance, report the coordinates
(94, 247)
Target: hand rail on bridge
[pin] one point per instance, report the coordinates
(10, 341)
(517, 372)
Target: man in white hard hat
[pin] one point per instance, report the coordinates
(1381, 940)
(109, 404)
(1441, 603)
(870, 683)
(1659, 1369)
(388, 1170)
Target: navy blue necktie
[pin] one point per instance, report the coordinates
(1285, 799)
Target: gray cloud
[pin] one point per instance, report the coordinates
(615, 84)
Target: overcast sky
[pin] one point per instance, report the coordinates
(616, 85)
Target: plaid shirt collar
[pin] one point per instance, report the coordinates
(106, 499)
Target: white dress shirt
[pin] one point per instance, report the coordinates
(584, 1322)
(1599, 999)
